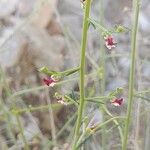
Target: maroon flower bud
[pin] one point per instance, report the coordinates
(49, 81)
(117, 102)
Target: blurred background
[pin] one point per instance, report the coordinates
(37, 33)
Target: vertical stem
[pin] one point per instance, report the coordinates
(147, 132)
(102, 64)
(82, 71)
(21, 132)
(51, 115)
(137, 111)
(2, 107)
(116, 123)
(13, 105)
(136, 7)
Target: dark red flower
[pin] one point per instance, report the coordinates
(109, 42)
(49, 81)
(117, 102)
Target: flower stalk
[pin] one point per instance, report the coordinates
(136, 8)
(90, 132)
(82, 72)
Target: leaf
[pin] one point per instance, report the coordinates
(70, 71)
(120, 29)
(47, 71)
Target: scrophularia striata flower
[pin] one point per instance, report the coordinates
(117, 101)
(50, 81)
(109, 42)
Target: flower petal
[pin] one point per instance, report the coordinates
(109, 42)
(49, 81)
(117, 102)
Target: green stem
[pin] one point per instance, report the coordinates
(95, 101)
(72, 100)
(116, 123)
(66, 125)
(144, 98)
(106, 122)
(142, 92)
(136, 7)
(51, 117)
(82, 71)
(21, 132)
(103, 61)
(70, 71)
(3, 107)
(38, 108)
(34, 89)
(100, 27)
(46, 107)
(34, 109)
(8, 91)
(102, 65)
(98, 98)
(101, 125)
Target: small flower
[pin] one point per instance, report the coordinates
(92, 126)
(95, 120)
(50, 81)
(109, 42)
(117, 102)
(61, 99)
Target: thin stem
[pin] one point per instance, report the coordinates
(138, 103)
(142, 92)
(82, 71)
(143, 98)
(66, 125)
(51, 119)
(97, 133)
(147, 131)
(21, 132)
(100, 27)
(60, 131)
(136, 7)
(95, 101)
(97, 98)
(70, 71)
(116, 123)
(38, 108)
(25, 91)
(95, 130)
(103, 80)
(103, 61)
(3, 108)
(8, 92)
(106, 122)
